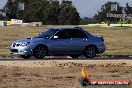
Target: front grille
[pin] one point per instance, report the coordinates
(14, 50)
(17, 44)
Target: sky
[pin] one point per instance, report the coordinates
(87, 8)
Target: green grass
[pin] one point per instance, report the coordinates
(118, 41)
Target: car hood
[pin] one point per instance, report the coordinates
(30, 40)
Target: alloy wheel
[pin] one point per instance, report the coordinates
(40, 52)
(90, 52)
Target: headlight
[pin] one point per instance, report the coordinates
(25, 44)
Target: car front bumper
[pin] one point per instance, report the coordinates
(21, 51)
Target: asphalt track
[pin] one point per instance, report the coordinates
(106, 57)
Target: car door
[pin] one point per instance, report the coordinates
(79, 40)
(62, 44)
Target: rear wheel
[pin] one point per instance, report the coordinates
(90, 52)
(40, 52)
(25, 56)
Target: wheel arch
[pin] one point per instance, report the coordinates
(42, 45)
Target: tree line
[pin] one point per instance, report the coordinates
(47, 11)
(101, 16)
(55, 12)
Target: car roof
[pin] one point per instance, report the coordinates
(69, 28)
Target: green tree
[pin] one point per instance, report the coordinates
(128, 9)
(47, 11)
(106, 8)
(11, 9)
(52, 12)
(35, 10)
(68, 14)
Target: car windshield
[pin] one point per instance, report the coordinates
(47, 34)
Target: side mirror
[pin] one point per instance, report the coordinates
(55, 37)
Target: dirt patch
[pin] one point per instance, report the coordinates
(60, 73)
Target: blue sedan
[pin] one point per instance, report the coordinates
(73, 42)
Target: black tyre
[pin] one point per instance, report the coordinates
(40, 52)
(90, 52)
(74, 56)
(25, 56)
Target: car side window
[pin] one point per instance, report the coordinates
(63, 34)
(78, 34)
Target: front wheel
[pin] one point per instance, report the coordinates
(40, 52)
(90, 52)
